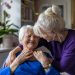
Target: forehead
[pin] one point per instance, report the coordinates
(29, 32)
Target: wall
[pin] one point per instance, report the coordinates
(0, 11)
(15, 11)
(67, 8)
(73, 13)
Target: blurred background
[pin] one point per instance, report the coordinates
(16, 13)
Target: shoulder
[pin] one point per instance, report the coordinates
(70, 39)
(71, 35)
(71, 31)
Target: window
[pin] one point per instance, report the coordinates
(27, 11)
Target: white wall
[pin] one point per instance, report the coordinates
(67, 8)
(15, 11)
(0, 11)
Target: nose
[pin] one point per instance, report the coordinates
(32, 38)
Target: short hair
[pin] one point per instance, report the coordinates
(49, 20)
(23, 30)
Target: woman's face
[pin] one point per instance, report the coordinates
(30, 41)
(49, 36)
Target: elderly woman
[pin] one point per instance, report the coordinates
(50, 26)
(25, 63)
(40, 55)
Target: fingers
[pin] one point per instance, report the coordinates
(6, 64)
(9, 60)
(24, 56)
(38, 53)
(27, 57)
(23, 53)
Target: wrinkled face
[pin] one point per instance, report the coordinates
(49, 36)
(30, 41)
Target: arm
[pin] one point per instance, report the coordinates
(11, 56)
(43, 59)
(44, 56)
(15, 50)
(67, 61)
(20, 59)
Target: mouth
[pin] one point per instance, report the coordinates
(31, 42)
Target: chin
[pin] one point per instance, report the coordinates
(31, 47)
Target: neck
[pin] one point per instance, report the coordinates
(61, 36)
(27, 49)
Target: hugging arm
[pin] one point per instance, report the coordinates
(12, 55)
(23, 56)
(18, 60)
(42, 54)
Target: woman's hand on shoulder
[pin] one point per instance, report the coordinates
(42, 58)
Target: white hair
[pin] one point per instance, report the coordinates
(49, 20)
(23, 30)
(54, 9)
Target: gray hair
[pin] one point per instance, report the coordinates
(23, 30)
(49, 20)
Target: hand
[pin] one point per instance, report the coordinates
(24, 56)
(9, 59)
(41, 57)
(20, 59)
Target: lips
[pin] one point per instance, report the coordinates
(31, 42)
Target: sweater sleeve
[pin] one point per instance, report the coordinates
(5, 71)
(21, 46)
(67, 61)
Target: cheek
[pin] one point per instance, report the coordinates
(48, 37)
(25, 41)
(44, 36)
(36, 42)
